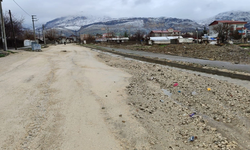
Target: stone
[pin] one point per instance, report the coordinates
(213, 129)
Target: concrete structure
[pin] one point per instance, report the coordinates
(118, 39)
(165, 33)
(181, 40)
(162, 40)
(27, 42)
(233, 25)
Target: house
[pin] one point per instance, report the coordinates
(233, 25)
(107, 35)
(62, 39)
(164, 33)
(74, 37)
(84, 37)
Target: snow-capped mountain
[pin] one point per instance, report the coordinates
(132, 25)
(75, 22)
(93, 24)
(230, 15)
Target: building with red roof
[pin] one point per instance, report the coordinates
(233, 25)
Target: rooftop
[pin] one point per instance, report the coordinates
(228, 22)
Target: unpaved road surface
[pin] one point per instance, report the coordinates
(61, 100)
(71, 98)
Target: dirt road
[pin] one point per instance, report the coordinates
(71, 98)
(61, 100)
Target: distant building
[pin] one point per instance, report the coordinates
(169, 40)
(234, 25)
(84, 37)
(165, 33)
(74, 37)
(107, 35)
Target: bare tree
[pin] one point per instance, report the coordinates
(17, 24)
(223, 30)
(139, 35)
(28, 34)
(51, 34)
(90, 39)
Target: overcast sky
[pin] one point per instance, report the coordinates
(47, 10)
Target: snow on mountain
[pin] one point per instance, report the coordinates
(146, 25)
(230, 15)
(75, 22)
(92, 24)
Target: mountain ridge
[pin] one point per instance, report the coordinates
(92, 24)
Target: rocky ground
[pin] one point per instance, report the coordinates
(230, 53)
(181, 110)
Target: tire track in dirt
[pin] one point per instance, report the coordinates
(41, 129)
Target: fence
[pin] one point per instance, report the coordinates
(10, 43)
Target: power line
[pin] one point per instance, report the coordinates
(21, 8)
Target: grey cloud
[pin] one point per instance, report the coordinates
(138, 2)
(47, 10)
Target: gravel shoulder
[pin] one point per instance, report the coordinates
(220, 110)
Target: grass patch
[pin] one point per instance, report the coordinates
(163, 45)
(2, 55)
(45, 46)
(12, 52)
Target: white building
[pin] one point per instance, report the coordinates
(165, 33)
(162, 40)
(234, 25)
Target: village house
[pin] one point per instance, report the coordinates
(73, 38)
(107, 35)
(84, 37)
(234, 25)
(165, 33)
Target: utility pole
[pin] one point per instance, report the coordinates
(39, 33)
(13, 31)
(197, 35)
(79, 40)
(3, 28)
(34, 31)
(44, 35)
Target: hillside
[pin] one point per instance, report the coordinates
(229, 15)
(94, 24)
